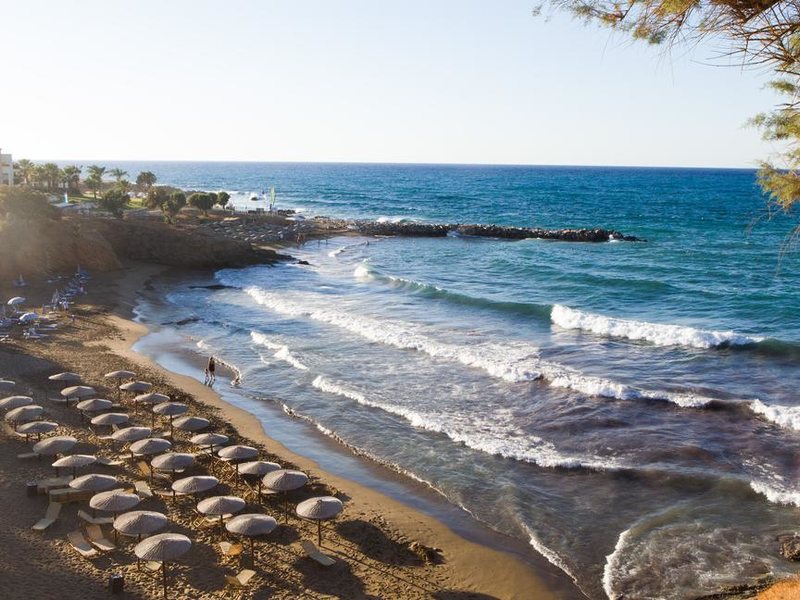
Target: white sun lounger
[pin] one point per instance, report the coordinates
(143, 489)
(240, 581)
(50, 517)
(96, 537)
(77, 541)
(94, 520)
(313, 552)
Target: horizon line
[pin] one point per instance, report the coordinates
(393, 163)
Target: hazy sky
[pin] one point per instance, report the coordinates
(432, 81)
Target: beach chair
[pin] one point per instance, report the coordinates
(229, 549)
(43, 486)
(152, 565)
(143, 489)
(67, 495)
(240, 581)
(84, 548)
(313, 552)
(82, 514)
(27, 455)
(96, 537)
(50, 517)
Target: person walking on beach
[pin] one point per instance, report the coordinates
(211, 375)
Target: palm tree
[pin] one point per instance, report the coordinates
(124, 186)
(146, 180)
(51, 175)
(118, 174)
(25, 168)
(95, 179)
(72, 177)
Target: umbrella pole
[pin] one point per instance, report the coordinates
(164, 569)
(319, 533)
(252, 552)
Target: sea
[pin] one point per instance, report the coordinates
(627, 411)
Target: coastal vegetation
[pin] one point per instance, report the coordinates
(761, 34)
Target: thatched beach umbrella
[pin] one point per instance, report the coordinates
(110, 419)
(23, 414)
(191, 423)
(284, 480)
(136, 386)
(6, 385)
(37, 428)
(54, 445)
(237, 453)
(12, 402)
(194, 485)
(149, 446)
(94, 405)
(164, 547)
(131, 434)
(16, 301)
(66, 377)
(209, 440)
(251, 525)
(258, 468)
(120, 376)
(74, 462)
(220, 505)
(319, 509)
(77, 392)
(140, 522)
(115, 502)
(151, 398)
(172, 461)
(29, 317)
(171, 410)
(94, 482)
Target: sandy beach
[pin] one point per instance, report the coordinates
(375, 541)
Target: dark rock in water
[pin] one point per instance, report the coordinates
(187, 321)
(489, 231)
(303, 262)
(741, 591)
(216, 286)
(790, 546)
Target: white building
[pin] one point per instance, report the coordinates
(6, 169)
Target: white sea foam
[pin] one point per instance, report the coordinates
(509, 362)
(613, 562)
(785, 416)
(336, 388)
(655, 333)
(777, 492)
(552, 557)
(363, 272)
(282, 351)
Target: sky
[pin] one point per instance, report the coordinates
(362, 81)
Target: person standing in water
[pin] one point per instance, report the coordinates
(211, 376)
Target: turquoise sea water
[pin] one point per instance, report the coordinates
(629, 409)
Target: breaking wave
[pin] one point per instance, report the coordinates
(655, 333)
(787, 417)
(282, 351)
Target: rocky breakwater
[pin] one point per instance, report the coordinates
(492, 231)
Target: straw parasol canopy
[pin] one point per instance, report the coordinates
(164, 547)
(12, 402)
(170, 409)
(120, 375)
(136, 386)
(37, 428)
(54, 445)
(94, 482)
(78, 391)
(251, 525)
(16, 301)
(6, 385)
(284, 480)
(140, 522)
(65, 376)
(259, 468)
(194, 485)
(237, 453)
(149, 446)
(110, 419)
(151, 398)
(131, 434)
(210, 440)
(94, 405)
(29, 317)
(319, 509)
(220, 505)
(23, 414)
(191, 423)
(114, 501)
(172, 461)
(74, 462)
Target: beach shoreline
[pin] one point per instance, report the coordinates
(472, 567)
